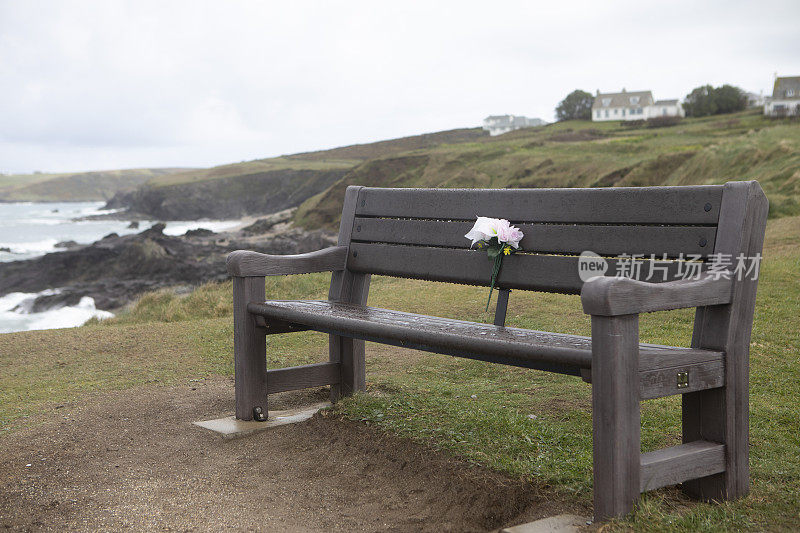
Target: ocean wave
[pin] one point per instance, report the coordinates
(13, 316)
(43, 246)
(180, 228)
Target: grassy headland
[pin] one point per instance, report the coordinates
(708, 150)
(77, 186)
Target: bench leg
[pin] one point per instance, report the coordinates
(350, 354)
(721, 415)
(249, 349)
(615, 414)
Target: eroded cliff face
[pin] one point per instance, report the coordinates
(224, 198)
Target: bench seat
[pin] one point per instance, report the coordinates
(558, 352)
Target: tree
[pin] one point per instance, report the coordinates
(700, 102)
(576, 106)
(729, 99)
(707, 100)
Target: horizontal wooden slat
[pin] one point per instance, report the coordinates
(463, 338)
(553, 238)
(664, 382)
(681, 463)
(302, 377)
(471, 267)
(615, 205)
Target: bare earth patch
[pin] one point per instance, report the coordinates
(133, 460)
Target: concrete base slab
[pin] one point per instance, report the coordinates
(563, 523)
(230, 428)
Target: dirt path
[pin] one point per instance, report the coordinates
(132, 460)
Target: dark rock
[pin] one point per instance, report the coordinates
(199, 232)
(111, 236)
(155, 229)
(68, 244)
(134, 224)
(263, 225)
(4, 249)
(115, 270)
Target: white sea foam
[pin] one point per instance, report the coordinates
(13, 316)
(179, 228)
(34, 247)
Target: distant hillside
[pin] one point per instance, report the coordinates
(78, 186)
(585, 154)
(265, 185)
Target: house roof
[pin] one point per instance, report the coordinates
(622, 99)
(786, 84)
(666, 102)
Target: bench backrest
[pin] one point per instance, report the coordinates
(419, 233)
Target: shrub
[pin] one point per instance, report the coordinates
(663, 121)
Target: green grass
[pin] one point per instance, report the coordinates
(75, 186)
(527, 424)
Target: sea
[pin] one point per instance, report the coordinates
(32, 229)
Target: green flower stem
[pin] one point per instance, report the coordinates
(498, 261)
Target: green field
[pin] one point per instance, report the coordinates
(75, 186)
(528, 424)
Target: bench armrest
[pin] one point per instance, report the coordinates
(612, 296)
(244, 263)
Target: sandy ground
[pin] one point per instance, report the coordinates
(132, 460)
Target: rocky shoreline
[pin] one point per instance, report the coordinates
(117, 269)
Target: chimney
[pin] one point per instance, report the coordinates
(623, 89)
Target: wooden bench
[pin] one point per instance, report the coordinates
(419, 233)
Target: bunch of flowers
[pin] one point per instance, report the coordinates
(499, 238)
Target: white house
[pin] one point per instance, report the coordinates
(633, 105)
(755, 99)
(499, 124)
(785, 98)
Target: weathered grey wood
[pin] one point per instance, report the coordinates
(609, 296)
(626, 205)
(275, 327)
(664, 382)
(247, 263)
(681, 463)
(351, 287)
(615, 414)
(722, 415)
(419, 234)
(501, 308)
(387, 324)
(302, 377)
(249, 349)
(549, 238)
(551, 273)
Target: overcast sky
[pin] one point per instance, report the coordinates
(122, 84)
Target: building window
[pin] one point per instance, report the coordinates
(663, 110)
(606, 113)
(789, 92)
(606, 102)
(616, 111)
(623, 112)
(634, 100)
